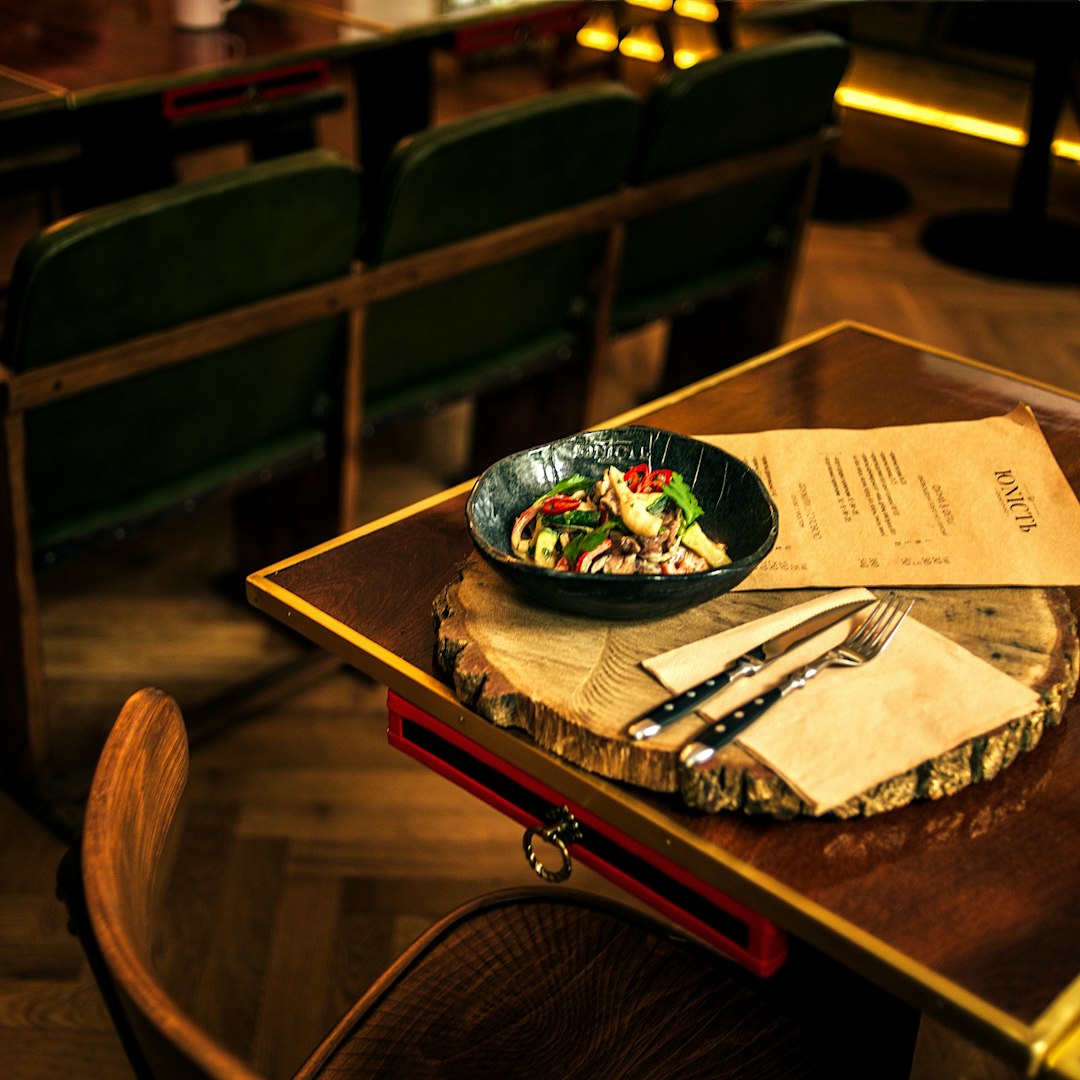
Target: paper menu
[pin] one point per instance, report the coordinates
(973, 502)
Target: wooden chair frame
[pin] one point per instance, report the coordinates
(24, 744)
(634, 994)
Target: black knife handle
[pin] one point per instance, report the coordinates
(685, 703)
(701, 749)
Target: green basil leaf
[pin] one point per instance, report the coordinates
(678, 490)
(571, 483)
(587, 541)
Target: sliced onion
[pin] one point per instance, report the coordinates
(519, 545)
(589, 557)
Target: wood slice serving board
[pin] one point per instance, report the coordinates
(574, 683)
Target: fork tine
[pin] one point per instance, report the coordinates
(885, 633)
(870, 624)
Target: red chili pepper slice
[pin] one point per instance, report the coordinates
(635, 476)
(656, 480)
(559, 504)
(587, 558)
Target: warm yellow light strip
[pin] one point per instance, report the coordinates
(1066, 149)
(947, 121)
(687, 57)
(702, 10)
(643, 43)
(599, 33)
(923, 114)
(691, 43)
(652, 5)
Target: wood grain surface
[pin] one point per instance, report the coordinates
(574, 683)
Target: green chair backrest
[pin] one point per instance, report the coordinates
(463, 179)
(744, 101)
(134, 447)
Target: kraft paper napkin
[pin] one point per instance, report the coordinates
(851, 728)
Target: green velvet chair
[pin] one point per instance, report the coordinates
(720, 266)
(508, 335)
(80, 465)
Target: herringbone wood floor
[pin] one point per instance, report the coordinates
(311, 851)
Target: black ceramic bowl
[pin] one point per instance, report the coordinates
(737, 511)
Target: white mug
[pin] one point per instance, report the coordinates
(201, 14)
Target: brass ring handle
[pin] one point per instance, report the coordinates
(563, 827)
(534, 860)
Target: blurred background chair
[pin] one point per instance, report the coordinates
(89, 453)
(40, 151)
(266, 113)
(507, 336)
(721, 267)
(845, 193)
(538, 982)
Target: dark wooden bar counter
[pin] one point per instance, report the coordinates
(96, 50)
(966, 907)
(114, 64)
(121, 72)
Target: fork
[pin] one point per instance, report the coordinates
(865, 642)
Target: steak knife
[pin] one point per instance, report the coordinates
(750, 663)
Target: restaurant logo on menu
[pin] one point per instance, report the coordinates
(1018, 506)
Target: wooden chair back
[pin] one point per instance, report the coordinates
(110, 885)
(135, 445)
(525, 982)
(470, 178)
(752, 100)
(762, 101)
(119, 403)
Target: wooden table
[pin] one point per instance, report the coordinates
(93, 50)
(115, 63)
(20, 93)
(121, 69)
(965, 907)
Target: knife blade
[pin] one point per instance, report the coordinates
(750, 663)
